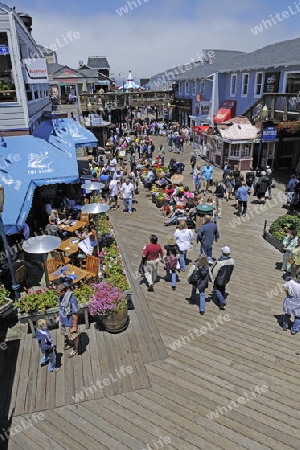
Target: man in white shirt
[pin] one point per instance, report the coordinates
(127, 190)
(113, 192)
(112, 165)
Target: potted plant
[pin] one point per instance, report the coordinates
(109, 304)
(6, 304)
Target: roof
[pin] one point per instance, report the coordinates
(238, 129)
(54, 67)
(45, 50)
(97, 62)
(89, 73)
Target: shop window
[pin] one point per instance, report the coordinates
(258, 84)
(233, 85)
(235, 150)
(293, 83)
(202, 87)
(245, 84)
(246, 150)
(7, 83)
(194, 87)
(186, 88)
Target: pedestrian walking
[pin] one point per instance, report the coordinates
(198, 277)
(207, 234)
(221, 273)
(270, 176)
(219, 194)
(242, 198)
(250, 178)
(262, 187)
(291, 305)
(193, 160)
(184, 237)
(171, 249)
(68, 318)
(207, 175)
(127, 190)
(152, 254)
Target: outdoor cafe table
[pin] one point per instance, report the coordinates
(70, 245)
(70, 269)
(76, 225)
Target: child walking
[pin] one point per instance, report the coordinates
(46, 345)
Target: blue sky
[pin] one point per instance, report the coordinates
(155, 35)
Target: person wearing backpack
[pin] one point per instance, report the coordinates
(198, 277)
(221, 274)
(262, 187)
(171, 250)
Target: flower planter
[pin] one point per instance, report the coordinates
(272, 240)
(50, 314)
(7, 309)
(115, 322)
(159, 203)
(153, 196)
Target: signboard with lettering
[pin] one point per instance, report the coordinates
(35, 70)
(4, 50)
(269, 134)
(271, 84)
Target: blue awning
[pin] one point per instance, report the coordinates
(65, 133)
(27, 162)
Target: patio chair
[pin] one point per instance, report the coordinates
(51, 268)
(60, 258)
(21, 275)
(84, 217)
(92, 263)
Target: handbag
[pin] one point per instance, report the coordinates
(178, 265)
(290, 260)
(73, 336)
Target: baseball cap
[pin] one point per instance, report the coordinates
(226, 250)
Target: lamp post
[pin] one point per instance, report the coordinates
(15, 286)
(263, 116)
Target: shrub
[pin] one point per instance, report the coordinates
(278, 227)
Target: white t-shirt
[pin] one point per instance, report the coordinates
(293, 288)
(184, 238)
(113, 188)
(127, 190)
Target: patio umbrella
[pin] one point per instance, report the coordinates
(42, 245)
(96, 208)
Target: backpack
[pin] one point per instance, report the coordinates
(171, 262)
(178, 168)
(193, 279)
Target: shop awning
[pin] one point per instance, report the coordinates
(65, 134)
(199, 129)
(27, 162)
(226, 112)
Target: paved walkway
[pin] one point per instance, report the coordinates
(225, 381)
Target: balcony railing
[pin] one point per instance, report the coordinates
(282, 107)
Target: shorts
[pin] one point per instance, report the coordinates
(113, 198)
(64, 330)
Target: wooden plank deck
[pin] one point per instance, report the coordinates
(180, 374)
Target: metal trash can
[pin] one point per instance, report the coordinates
(203, 210)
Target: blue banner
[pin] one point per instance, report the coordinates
(269, 134)
(4, 50)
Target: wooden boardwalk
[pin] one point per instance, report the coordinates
(182, 372)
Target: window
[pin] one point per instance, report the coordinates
(202, 87)
(246, 150)
(186, 87)
(258, 84)
(245, 83)
(7, 84)
(233, 85)
(194, 87)
(180, 88)
(235, 150)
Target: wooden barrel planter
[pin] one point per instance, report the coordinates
(159, 203)
(116, 321)
(153, 199)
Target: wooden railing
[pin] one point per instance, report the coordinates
(117, 100)
(281, 106)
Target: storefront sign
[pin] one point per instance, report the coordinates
(97, 121)
(4, 50)
(35, 71)
(204, 108)
(269, 134)
(271, 84)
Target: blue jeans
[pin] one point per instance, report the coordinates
(51, 357)
(201, 298)
(220, 294)
(173, 276)
(207, 251)
(182, 259)
(128, 204)
(296, 324)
